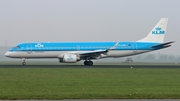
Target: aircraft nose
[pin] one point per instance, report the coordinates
(7, 54)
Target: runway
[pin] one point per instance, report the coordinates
(105, 64)
(95, 66)
(103, 100)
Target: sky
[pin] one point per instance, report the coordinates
(87, 20)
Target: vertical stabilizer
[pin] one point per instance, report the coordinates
(157, 33)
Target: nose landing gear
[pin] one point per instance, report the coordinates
(24, 61)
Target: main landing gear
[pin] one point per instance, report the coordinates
(24, 62)
(88, 63)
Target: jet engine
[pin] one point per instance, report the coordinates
(69, 58)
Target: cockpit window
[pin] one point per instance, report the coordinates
(18, 47)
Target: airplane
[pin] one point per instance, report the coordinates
(72, 52)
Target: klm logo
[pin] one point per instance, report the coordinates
(70, 58)
(158, 30)
(39, 45)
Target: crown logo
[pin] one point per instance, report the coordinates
(39, 45)
(70, 58)
(158, 28)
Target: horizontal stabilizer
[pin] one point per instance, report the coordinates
(167, 44)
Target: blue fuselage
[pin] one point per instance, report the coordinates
(82, 46)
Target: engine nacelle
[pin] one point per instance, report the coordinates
(69, 58)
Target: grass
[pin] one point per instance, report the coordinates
(89, 83)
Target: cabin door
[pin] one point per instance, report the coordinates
(29, 48)
(78, 47)
(134, 46)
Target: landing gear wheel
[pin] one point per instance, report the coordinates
(88, 63)
(24, 63)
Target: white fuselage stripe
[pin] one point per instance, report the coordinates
(57, 54)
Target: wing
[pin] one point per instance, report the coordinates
(96, 53)
(92, 54)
